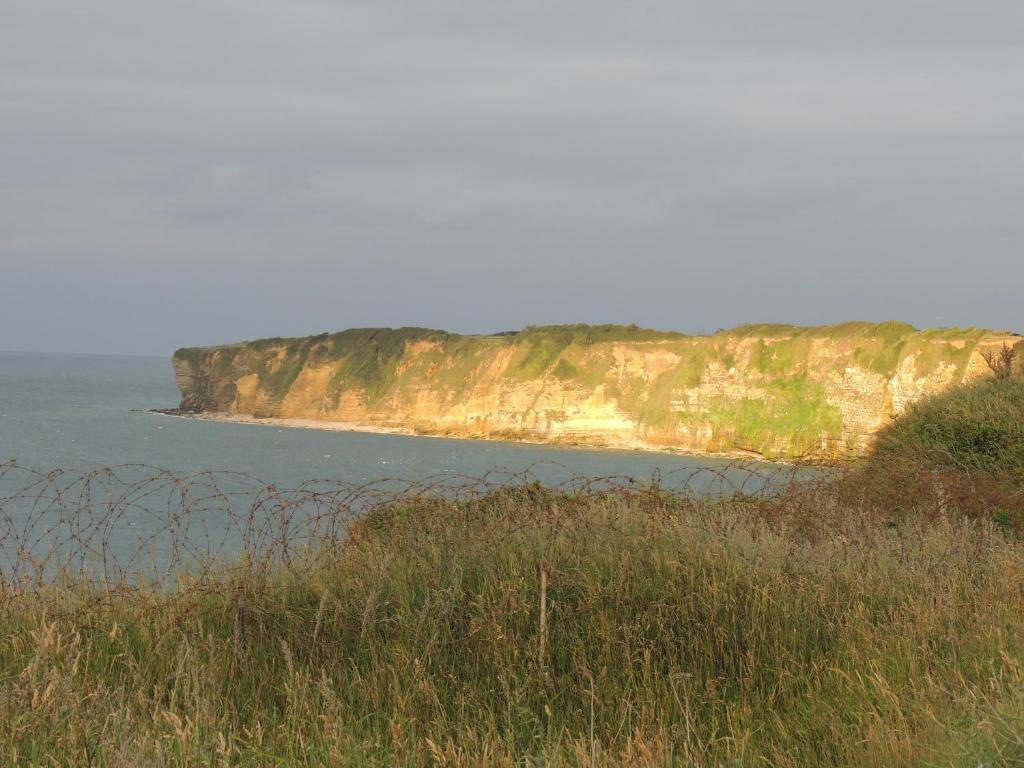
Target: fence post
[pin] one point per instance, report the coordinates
(543, 618)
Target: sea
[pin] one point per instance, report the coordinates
(87, 470)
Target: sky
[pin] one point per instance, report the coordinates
(205, 171)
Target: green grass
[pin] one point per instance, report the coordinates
(782, 358)
(791, 423)
(451, 368)
(540, 350)
(370, 356)
(977, 428)
(678, 633)
(875, 346)
(566, 370)
(593, 334)
(889, 330)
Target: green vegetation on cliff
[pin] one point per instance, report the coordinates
(791, 424)
(777, 390)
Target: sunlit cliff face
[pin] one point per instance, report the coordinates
(771, 391)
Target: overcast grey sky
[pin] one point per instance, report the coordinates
(200, 171)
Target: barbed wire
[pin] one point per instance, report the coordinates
(135, 522)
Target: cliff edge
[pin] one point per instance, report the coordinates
(775, 391)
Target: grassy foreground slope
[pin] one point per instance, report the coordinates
(769, 390)
(676, 634)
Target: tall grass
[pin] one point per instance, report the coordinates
(783, 631)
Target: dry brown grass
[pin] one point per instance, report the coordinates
(809, 626)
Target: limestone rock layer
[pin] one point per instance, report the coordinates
(775, 391)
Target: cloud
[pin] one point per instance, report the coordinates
(828, 155)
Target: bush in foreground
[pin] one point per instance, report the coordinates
(977, 428)
(960, 452)
(740, 632)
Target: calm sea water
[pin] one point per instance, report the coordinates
(76, 411)
(82, 413)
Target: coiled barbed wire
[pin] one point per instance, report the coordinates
(136, 521)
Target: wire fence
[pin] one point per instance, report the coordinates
(122, 524)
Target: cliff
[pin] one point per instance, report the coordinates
(771, 390)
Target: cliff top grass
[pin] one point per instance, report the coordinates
(570, 333)
(888, 329)
(589, 334)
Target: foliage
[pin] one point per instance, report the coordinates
(888, 330)
(566, 369)
(370, 355)
(792, 423)
(975, 428)
(1002, 363)
(781, 632)
(592, 334)
(538, 349)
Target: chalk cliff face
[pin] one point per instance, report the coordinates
(769, 390)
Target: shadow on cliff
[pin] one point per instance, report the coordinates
(961, 450)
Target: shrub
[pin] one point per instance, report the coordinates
(1001, 363)
(961, 450)
(974, 428)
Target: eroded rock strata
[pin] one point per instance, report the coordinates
(770, 390)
